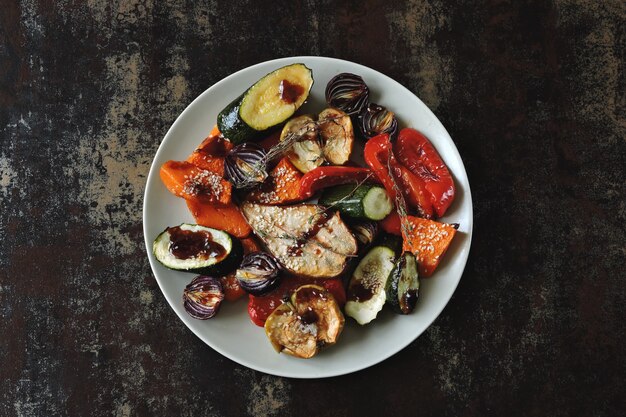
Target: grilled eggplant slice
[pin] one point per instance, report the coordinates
(337, 133)
(306, 153)
(366, 290)
(268, 103)
(310, 320)
(198, 249)
(305, 238)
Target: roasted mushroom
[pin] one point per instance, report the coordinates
(337, 134)
(306, 152)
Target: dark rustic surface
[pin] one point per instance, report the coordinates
(533, 94)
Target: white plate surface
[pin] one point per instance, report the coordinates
(231, 332)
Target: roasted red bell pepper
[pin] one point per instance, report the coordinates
(392, 224)
(416, 153)
(379, 156)
(328, 176)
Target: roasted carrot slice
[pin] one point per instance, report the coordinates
(428, 240)
(186, 180)
(215, 131)
(210, 154)
(227, 217)
(250, 244)
(281, 187)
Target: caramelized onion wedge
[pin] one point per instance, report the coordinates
(335, 128)
(245, 165)
(258, 273)
(364, 232)
(203, 296)
(347, 92)
(375, 119)
(311, 320)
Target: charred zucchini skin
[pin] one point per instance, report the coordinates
(232, 126)
(403, 284)
(366, 293)
(393, 242)
(348, 204)
(227, 265)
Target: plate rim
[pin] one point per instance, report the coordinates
(278, 372)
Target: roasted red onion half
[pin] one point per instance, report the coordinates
(246, 165)
(375, 119)
(365, 232)
(203, 296)
(347, 92)
(258, 273)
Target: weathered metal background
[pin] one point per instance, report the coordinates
(533, 94)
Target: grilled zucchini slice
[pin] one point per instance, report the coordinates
(403, 284)
(268, 103)
(198, 249)
(366, 291)
(369, 202)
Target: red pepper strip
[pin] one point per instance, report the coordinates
(415, 152)
(377, 155)
(327, 176)
(414, 191)
(392, 224)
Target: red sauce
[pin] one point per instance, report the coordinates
(289, 92)
(186, 244)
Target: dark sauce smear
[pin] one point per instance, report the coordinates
(213, 148)
(186, 244)
(309, 317)
(358, 292)
(306, 295)
(296, 248)
(408, 301)
(289, 92)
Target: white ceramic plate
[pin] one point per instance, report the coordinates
(231, 332)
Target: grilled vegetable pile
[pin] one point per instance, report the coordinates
(287, 216)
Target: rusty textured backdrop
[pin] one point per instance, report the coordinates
(533, 94)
